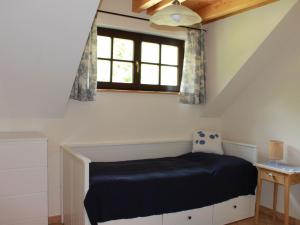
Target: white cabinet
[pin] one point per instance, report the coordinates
(201, 216)
(23, 179)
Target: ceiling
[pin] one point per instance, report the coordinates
(209, 10)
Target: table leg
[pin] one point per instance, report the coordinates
(275, 193)
(258, 195)
(286, 200)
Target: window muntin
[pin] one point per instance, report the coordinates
(134, 61)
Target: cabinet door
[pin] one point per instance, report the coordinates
(201, 216)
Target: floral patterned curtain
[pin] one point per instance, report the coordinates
(85, 84)
(192, 90)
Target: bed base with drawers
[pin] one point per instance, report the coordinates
(75, 160)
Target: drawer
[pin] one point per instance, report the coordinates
(202, 216)
(15, 155)
(245, 207)
(272, 176)
(23, 181)
(150, 220)
(14, 210)
(233, 210)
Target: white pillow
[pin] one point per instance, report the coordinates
(209, 142)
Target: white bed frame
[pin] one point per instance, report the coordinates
(75, 161)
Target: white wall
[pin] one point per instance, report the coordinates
(232, 41)
(269, 108)
(41, 45)
(114, 116)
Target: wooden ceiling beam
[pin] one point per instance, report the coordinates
(226, 8)
(141, 5)
(162, 4)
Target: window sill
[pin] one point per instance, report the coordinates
(137, 92)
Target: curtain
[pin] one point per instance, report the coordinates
(85, 84)
(192, 90)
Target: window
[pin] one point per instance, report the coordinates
(134, 61)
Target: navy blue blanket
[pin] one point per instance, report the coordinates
(123, 190)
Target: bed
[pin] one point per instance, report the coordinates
(128, 174)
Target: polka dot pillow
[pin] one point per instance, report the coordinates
(209, 142)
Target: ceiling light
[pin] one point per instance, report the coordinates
(176, 15)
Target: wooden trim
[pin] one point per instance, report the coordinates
(141, 5)
(137, 92)
(279, 216)
(287, 187)
(54, 219)
(275, 196)
(295, 179)
(226, 8)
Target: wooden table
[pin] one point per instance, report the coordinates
(278, 176)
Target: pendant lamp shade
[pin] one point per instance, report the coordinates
(176, 15)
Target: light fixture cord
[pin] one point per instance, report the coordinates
(176, 2)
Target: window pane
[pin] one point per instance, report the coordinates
(103, 70)
(123, 49)
(122, 72)
(169, 55)
(150, 52)
(149, 74)
(104, 47)
(169, 75)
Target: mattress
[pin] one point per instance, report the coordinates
(140, 188)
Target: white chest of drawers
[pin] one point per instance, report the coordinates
(23, 179)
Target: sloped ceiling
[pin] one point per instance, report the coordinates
(285, 31)
(41, 44)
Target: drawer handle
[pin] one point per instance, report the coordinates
(189, 217)
(235, 206)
